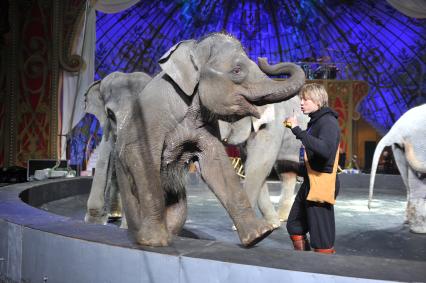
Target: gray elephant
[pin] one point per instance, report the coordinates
(407, 138)
(120, 90)
(271, 144)
(175, 121)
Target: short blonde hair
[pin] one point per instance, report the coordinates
(316, 93)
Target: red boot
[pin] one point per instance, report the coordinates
(300, 242)
(325, 251)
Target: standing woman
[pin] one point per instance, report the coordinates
(312, 211)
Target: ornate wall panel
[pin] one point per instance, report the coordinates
(33, 120)
(41, 39)
(3, 103)
(344, 98)
(369, 40)
(4, 34)
(4, 63)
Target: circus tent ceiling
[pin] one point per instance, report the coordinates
(367, 40)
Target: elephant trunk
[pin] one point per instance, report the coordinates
(412, 160)
(271, 91)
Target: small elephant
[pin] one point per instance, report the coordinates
(407, 138)
(271, 144)
(119, 91)
(175, 121)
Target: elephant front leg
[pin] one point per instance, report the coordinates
(96, 206)
(142, 197)
(218, 173)
(262, 151)
(267, 208)
(287, 194)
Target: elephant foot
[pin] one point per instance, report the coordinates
(253, 232)
(94, 217)
(416, 214)
(273, 220)
(154, 235)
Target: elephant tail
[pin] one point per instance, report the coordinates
(377, 152)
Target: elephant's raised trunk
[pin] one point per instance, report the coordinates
(277, 91)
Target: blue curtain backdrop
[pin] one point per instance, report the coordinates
(366, 40)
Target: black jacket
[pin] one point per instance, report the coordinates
(321, 139)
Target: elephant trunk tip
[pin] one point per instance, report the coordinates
(279, 90)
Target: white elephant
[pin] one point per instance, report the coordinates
(407, 138)
(268, 143)
(120, 91)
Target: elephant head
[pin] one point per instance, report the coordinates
(229, 84)
(110, 99)
(406, 138)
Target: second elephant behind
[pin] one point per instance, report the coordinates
(109, 100)
(271, 144)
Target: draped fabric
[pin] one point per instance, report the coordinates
(75, 84)
(411, 8)
(114, 6)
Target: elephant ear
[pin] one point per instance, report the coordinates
(94, 103)
(235, 133)
(180, 64)
(267, 115)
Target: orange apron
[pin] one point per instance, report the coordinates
(322, 185)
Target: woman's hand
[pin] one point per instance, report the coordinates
(291, 122)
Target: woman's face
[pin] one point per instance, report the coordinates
(308, 106)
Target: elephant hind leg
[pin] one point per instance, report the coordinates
(416, 213)
(117, 211)
(115, 205)
(287, 194)
(176, 214)
(173, 184)
(416, 204)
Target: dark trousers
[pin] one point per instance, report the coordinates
(314, 218)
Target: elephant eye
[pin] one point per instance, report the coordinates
(238, 73)
(110, 114)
